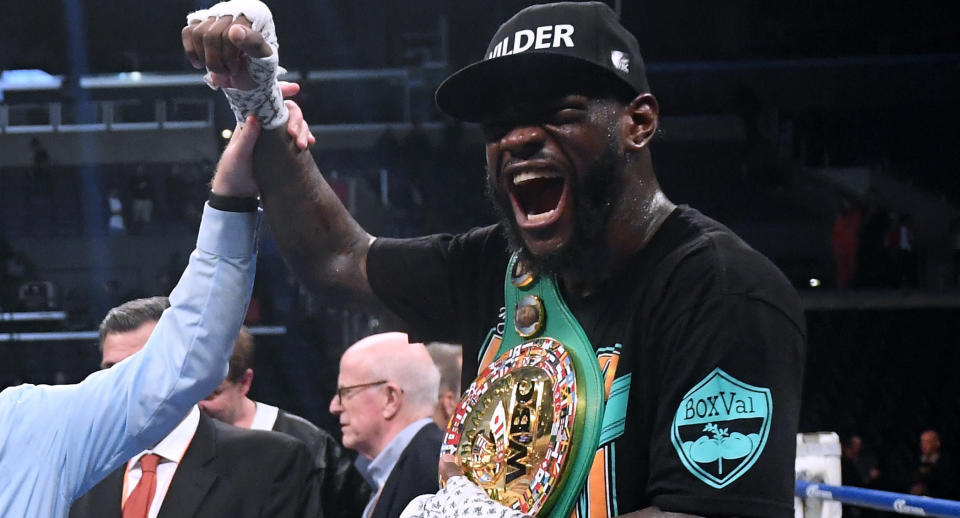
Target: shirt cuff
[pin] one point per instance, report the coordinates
(228, 234)
(233, 203)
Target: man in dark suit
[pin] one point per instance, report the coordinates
(343, 491)
(386, 395)
(203, 467)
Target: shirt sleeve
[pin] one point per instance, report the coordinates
(440, 284)
(727, 408)
(90, 428)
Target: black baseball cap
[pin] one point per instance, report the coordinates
(545, 49)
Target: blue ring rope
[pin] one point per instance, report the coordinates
(883, 500)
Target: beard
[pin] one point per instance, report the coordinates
(594, 194)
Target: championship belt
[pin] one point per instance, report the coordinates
(527, 428)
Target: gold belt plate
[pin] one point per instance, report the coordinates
(513, 427)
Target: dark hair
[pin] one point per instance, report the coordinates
(133, 314)
(242, 357)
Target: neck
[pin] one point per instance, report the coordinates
(244, 418)
(633, 224)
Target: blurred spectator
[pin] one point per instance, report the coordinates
(19, 269)
(6, 252)
(906, 259)
(37, 296)
(955, 245)
(935, 474)
(415, 152)
(40, 177)
(859, 467)
(39, 213)
(109, 296)
(873, 259)
(41, 159)
(449, 361)
(141, 194)
(116, 224)
(846, 228)
(387, 150)
(176, 187)
(343, 491)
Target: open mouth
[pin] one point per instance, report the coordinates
(538, 196)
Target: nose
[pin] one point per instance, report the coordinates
(335, 407)
(523, 140)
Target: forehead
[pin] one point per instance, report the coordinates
(117, 346)
(352, 367)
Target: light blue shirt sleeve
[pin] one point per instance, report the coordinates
(56, 442)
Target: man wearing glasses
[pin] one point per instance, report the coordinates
(386, 395)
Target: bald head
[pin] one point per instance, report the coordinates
(385, 384)
(391, 356)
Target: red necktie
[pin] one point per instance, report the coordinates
(138, 503)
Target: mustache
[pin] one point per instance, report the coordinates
(539, 156)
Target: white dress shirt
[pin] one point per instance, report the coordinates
(171, 450)
(265, 417)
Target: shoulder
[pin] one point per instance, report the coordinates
(12, 400)
(257, 445)
(417, 465)
(13, 397)
(296, 426)
(703, 260)
(426, 442)
(480, 238)
(315, 438)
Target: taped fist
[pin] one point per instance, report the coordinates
(237, 44)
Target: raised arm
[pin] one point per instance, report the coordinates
(57, 442)
(319, 238)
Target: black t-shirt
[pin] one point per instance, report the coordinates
(707, 335)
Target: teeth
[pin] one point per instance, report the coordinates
(526, 176)
(543, 216)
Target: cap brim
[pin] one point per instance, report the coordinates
(481, 89)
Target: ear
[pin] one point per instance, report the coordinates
(394, 401)
(644, 114)
(449, 402)
(245, 381)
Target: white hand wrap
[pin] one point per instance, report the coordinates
(459, 499)
(265, 100)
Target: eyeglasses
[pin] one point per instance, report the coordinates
(346, 392)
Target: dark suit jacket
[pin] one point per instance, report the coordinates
(343, 491)
(414, 474)
(226, 472)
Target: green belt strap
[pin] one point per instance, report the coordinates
(560, 324)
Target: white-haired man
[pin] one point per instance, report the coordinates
(386, 394)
